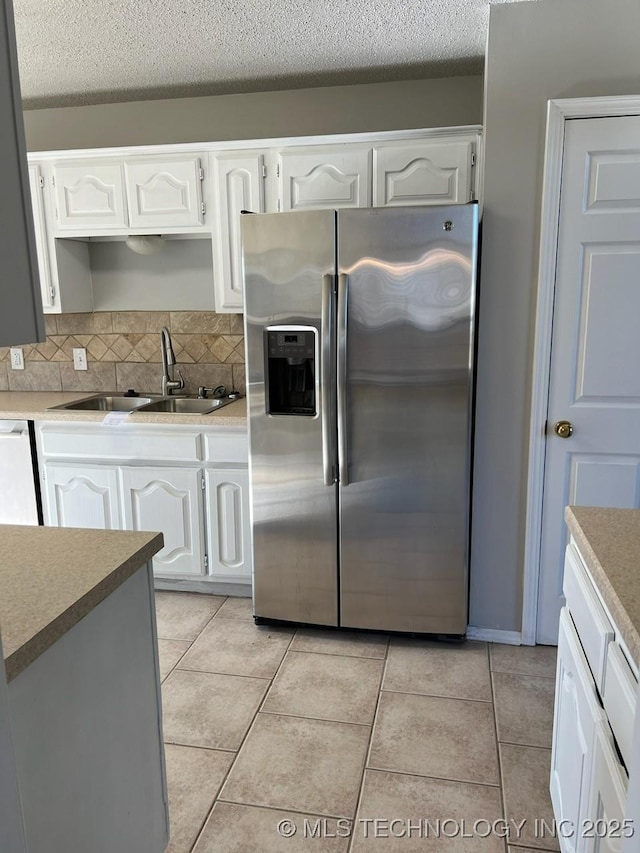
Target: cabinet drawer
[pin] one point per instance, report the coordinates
(226, 448)
(120, 443)
(620, 691)
(591, 621)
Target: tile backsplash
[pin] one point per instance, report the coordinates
(123, 351)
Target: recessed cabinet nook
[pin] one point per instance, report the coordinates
(196, 191)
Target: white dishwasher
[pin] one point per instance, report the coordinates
(19, 499)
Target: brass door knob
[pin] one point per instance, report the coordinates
(563, 429)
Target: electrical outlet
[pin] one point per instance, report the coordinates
(79, 358)
(17, 358)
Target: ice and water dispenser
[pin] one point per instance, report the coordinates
(290, 370)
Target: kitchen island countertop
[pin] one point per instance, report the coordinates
(609, 542)
(34, 406)
(51, 577)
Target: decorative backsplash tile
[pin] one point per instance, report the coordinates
(123, 351)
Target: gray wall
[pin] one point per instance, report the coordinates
(536, 51)
(299, 112)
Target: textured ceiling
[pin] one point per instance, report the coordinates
(93, 51)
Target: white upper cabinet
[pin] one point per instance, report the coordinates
(36, 183)
(164, 193)
(238, 185)
(423, 172)
(325, 176)
(89, 196)
(63, 265)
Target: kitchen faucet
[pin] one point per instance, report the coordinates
(169, 384)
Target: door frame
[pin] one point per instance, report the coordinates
(558, 112)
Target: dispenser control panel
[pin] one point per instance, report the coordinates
(291, 344)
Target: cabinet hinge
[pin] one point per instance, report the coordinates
(203, 485)
(473, 158)
(264, 171)
(278, 170)
(278, 205)
(201, 173)
(203, 208)
(52, 293)
(206, 561)
(41, 181)
(53, 180)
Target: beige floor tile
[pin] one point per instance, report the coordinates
(169, 653)
(300, 765)
(438, 669)
(525, 785)
(182, 615)
(203, 709)
(231, 828)
(333, 642)
(524, 660)
(194, 777)
(433, 736)
(396, 797)
(238, 648)
(327, 687)
(524, 708)
(237, 608)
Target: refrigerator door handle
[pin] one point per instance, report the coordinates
(341, 378)
(328, 451)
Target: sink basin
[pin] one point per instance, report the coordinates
(186, 405)
(106, 403)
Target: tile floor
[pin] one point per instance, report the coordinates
(348, 732)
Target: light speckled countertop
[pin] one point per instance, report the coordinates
(609, 541)
(51, 577)
(34, 405)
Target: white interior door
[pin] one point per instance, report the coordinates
(595, 350)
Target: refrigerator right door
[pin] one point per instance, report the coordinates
(406, 294)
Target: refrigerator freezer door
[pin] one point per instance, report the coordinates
(406, 285)
(289, 267)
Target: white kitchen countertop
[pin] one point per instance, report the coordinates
(34, 406)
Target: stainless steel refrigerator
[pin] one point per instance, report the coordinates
(359, 337)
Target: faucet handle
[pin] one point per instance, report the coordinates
(181, 379)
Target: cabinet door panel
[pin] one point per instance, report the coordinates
(325, 176)
(82, 497)
(42, 249)
(228, 522)
(89, 195)
(577, 712)
(422, 173)
(608, 797)
(168, 500)
(164, 193)
(239, 185)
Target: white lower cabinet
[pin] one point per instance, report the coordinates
(608, 797)
(589, 781)
(577, 713)
(169, 500)
(82, 496)
(228, 531)
(191, 484)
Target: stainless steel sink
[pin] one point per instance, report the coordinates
(149, 403)
(106, 403)
(186, 405)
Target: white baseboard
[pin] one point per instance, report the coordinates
(491, 635)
